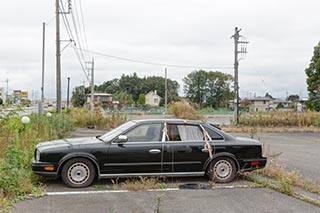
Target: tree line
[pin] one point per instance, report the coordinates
(206, 88)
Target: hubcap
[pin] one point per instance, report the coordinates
(222, 169)
(78, 173)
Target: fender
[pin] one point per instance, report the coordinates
(221, 154)
(82, 155)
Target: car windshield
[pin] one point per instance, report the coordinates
(113, 133)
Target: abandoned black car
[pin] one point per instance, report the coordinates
(162, 147)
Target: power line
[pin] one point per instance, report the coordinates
(84, 28)
(71, 37)
(155, 63)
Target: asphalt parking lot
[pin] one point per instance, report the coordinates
(213, 200)
(298, 150)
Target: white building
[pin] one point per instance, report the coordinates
(153, 99)
(3, 94)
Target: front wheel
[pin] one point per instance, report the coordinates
(222, 170)
(78, 173)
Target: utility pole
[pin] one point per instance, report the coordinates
(68, 92)
(243, 50)
(42, 79)
(92, 87)
(165, 92)
(7, 92)
(58, 58)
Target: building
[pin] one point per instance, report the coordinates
(20, 96)
(100, 98)
(261, 103)
(3, 94)
(152, 98)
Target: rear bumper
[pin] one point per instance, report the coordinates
(38, 168)
(253, 164)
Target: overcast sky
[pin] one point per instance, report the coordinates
(282, 35)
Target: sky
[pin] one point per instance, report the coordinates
(193, 33)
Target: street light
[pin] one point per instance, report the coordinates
(25, 120)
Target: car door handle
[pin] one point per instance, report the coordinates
(204, 150)
(154, 151)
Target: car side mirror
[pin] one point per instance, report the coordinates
(122, 138)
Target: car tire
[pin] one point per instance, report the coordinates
(222, 170)
(78, 173)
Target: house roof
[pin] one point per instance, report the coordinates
(153, 93)
(261, 99)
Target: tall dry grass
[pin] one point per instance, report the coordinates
(184, 111)
(84, 118)
(280, 119)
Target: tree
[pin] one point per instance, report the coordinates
(313, 80)
(208, 88)
(111, 86)
(78, 98)
(293, 98)
(134, 85)
(268, 95)
(1, 101)
(157, 83)
(142, 100)
(196, 86)
(124, 98)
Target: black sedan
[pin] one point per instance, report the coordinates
(162, 147)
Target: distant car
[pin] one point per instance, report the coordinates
(162, 147)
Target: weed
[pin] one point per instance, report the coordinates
(184, 111)
(16, 150)
(285, 186)
(158, 204)
(280, 119)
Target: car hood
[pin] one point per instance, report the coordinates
(68, 143)
(246, 141)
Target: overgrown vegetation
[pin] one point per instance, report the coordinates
(294, 178)
(135, 184)
(16, 150)
(184, 111)
(17, 143)
(84, 118)
(280, 119)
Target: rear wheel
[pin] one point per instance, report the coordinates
(78, 173)
(222, 170)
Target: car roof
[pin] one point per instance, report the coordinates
(183, 121)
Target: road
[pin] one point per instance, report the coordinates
(299, 151)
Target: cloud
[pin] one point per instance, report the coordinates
(282, 35)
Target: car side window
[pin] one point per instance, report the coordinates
(145, 133)
(181, 132)
(213, 134)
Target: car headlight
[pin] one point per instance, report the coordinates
(37, 155)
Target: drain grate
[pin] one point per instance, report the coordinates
(194, 186)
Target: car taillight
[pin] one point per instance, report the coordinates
(254, 163)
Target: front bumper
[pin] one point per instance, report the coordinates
(38, 168)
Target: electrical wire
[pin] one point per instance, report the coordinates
(71, 37)
(155, 63)
(84, 28)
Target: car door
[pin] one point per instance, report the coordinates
(140, 154)
(184, 148)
